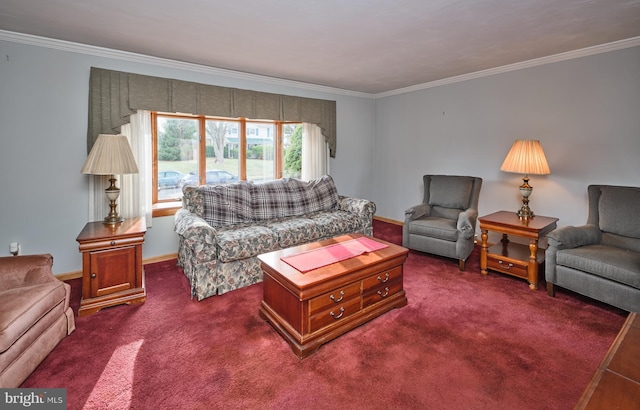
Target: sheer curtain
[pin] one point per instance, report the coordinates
(135, 190)
(314, 153)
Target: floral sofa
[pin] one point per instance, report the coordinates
(223, 228)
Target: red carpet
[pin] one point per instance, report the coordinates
(464, 341)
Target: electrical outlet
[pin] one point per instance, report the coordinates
(14, 248)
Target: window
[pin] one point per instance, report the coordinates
(230, 150)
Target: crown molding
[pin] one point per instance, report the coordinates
(569, 55)
(163, 62)
(72, 47)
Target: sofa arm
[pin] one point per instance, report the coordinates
(357, 206)
(363, 208)
(467, 223)
(416, 212)
(26, 270)
(574, 236)
(193, 229)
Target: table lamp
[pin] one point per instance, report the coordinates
(111, 155)
(526, 157)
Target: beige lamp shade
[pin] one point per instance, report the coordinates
(526, 157)
(110, 155)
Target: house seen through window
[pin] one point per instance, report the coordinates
(199, 150)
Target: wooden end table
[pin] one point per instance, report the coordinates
(513, 258)
(112, 271)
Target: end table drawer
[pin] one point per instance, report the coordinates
(110, 243)
(509, 266)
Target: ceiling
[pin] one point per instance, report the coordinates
(368, 46)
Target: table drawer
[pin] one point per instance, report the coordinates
(381, 278)
(333, 298)
(334, 314)
(110, 243)
(381, 292)
(507, 265)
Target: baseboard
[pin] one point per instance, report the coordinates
(160, 258)
(75, 275)
(391, 221)
(68, 276)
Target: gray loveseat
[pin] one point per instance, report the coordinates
(223, 228)
(601, 259)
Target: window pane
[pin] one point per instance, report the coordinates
(177, 155)
(230, 147)
(222, 142)
(260, 149)
(292, 150)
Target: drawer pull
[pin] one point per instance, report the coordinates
(386, 278)
(339, 299)
(93, 276)
(507, 267)
(113, 243)
(336, 317)
(386, 292)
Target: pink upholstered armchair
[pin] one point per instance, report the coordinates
(34, 315)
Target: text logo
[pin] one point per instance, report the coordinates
(41, 399)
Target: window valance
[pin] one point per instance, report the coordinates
(114, 96)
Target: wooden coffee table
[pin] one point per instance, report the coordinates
(311, 308)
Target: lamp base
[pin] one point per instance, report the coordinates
(525, 190)
(113, 192)
(525, 213)
(112, 220)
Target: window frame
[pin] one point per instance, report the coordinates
(167, 207)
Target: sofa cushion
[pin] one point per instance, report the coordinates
(292, 197)
(294, 231)
(608, 262)
(335, 223)
(22, 307)
(617, 208)
(450, 191)
(228, 204)
(441, 228)
(276, 199)
(245, 241)
(320, 194)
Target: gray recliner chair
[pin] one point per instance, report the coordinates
(445, 222)
(601, 259)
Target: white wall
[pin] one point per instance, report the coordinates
(43, 127)
(585, 112)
